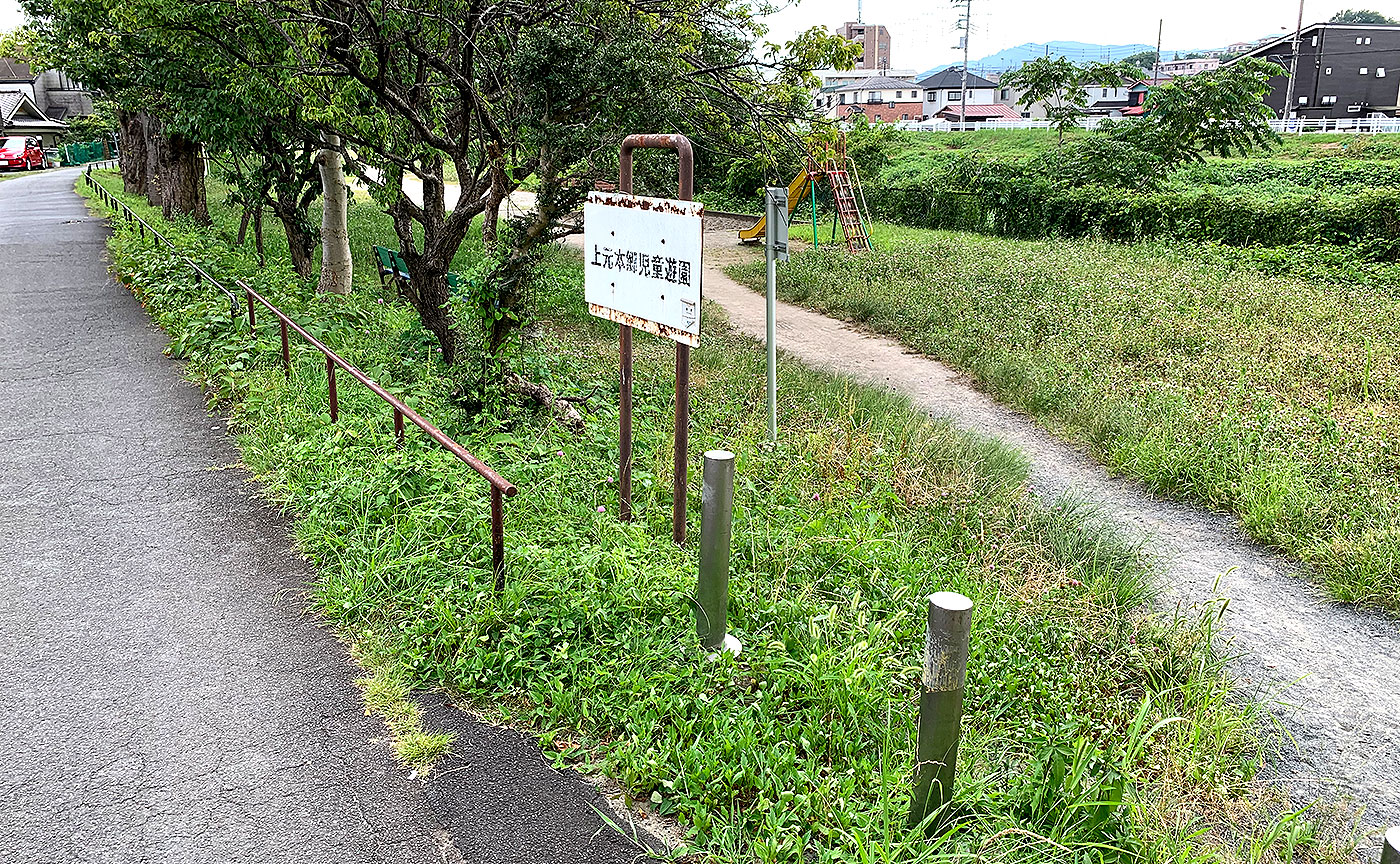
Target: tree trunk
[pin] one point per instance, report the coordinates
(182, 179)
(258, 238)
(300, 241)
(131, 128)
(150, 130)
(429, 293)
(429, 258)
(491, 219)
(243, 226)
(336, 266)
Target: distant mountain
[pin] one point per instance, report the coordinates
(1082, 52)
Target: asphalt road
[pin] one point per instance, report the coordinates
(164, 695)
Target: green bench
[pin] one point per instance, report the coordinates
(391, 264)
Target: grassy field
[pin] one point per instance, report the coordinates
(1264, 382)
(1095, 730)
(1026, 143)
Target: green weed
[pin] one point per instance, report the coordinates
(1273, 396)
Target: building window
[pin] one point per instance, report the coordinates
(877, 96)
(1363, 70)
(1358, 40)
(1302, 100)
(954, 95)
(904, 116)
(1329, 100)
(1329, 71)
(843, 98)
(1005, 93)
(1105, 91)
(933, 95)
(1314, 42)
(1368, 40)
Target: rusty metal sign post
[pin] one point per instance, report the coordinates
(684, 329)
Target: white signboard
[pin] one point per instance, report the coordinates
(642, 263)
(777, 222)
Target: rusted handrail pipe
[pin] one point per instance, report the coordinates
(114, 202)
(486, 471)
(500, 487)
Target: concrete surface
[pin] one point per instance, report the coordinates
(165, 696)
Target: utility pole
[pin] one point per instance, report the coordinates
(1293, 65)
(967, 31)
(1157, 58)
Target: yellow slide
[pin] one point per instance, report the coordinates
(798, 191)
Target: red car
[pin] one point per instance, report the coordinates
(20, 153)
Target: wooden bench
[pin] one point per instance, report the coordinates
(391, 264)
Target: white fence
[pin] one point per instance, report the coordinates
(1362, 125)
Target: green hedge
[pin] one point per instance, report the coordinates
(998, 200)
(1321, 174)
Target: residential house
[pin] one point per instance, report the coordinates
(54, 92)
(1344, 70)
(1109, 101)
(879, 99)
(1194, 66)
(20, 116)
(943, 90)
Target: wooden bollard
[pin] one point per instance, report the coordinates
(941, 703)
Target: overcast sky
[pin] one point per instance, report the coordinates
(922, 33)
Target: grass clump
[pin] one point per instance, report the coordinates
(1220, 376)
(1096, 731)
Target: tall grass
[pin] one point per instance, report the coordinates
(1191, 369)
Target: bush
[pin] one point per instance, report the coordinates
(1026, 201)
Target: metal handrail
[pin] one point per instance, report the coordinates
(500, 487)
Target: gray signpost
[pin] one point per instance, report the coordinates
(776, 234)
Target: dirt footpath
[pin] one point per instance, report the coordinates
(1330, 674)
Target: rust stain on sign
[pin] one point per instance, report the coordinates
(653, 205)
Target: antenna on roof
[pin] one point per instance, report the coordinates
(860, 11)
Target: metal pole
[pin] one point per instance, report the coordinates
(716, 532)
(967, 34)
(1293, 65)
(680, 478)
(252, 316)
(330, 388)
(941, 703)
(771, 332)
(286, 350)
(398, 429)
(1157, 58)
(498, 539)
(624, 422)
(1390, 851)
(813, 183)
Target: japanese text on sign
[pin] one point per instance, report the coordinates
(642, 263)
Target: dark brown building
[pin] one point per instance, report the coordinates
(1344, 70)
(874, 39)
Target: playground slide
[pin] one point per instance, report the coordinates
(797, 196)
